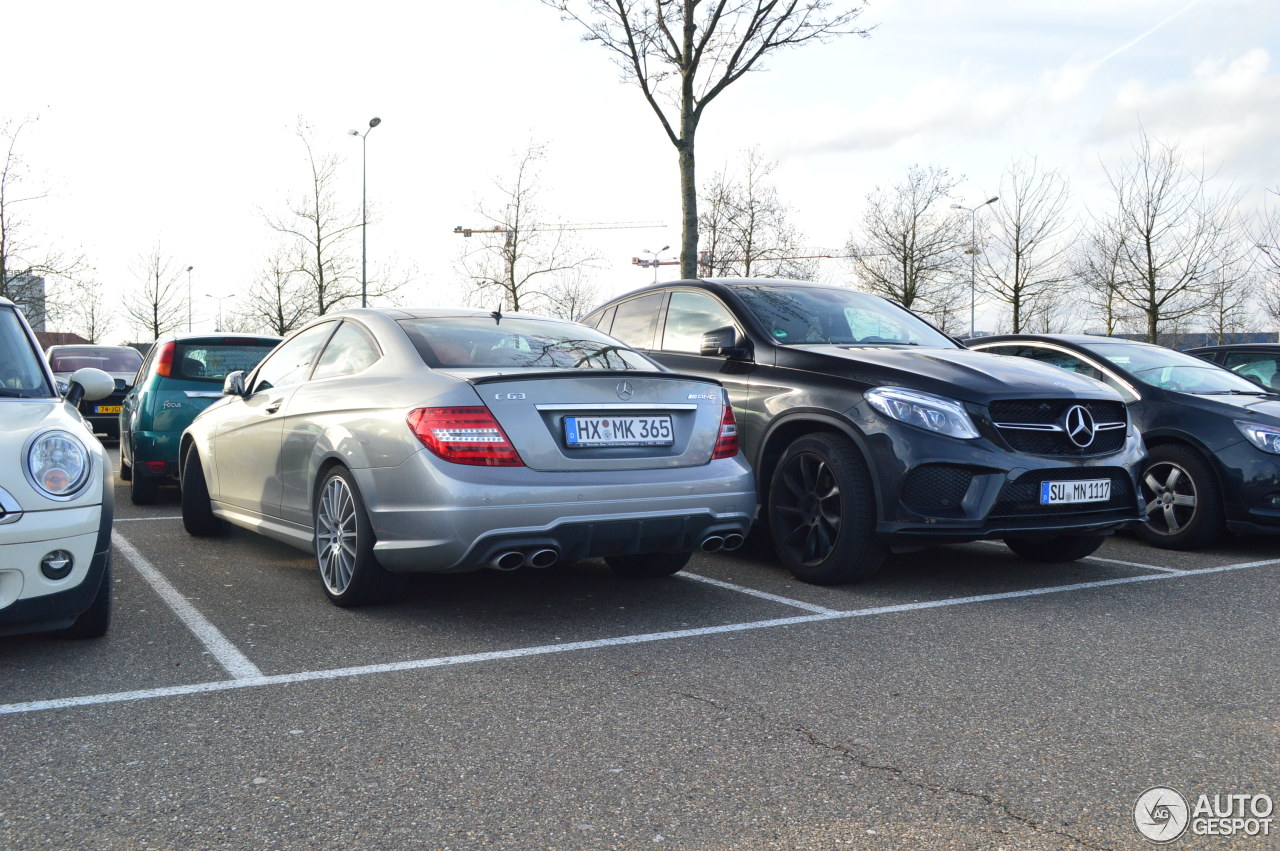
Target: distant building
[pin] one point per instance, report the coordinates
(59, 338)
(27, 291)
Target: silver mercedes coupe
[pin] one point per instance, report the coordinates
(390, 441)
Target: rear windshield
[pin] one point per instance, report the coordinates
(20, 372)
(203, 360)
(106, 358)
(480, 342)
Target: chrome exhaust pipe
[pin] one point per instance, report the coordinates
(733, 540)
(509, 560)
(712, 543)
(543, 558)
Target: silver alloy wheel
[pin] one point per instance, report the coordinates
(1170, 492)
(337, 536)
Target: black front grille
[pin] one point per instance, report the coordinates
(1011, 412)
(936, 489)
(1021, 498)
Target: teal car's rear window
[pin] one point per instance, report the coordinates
(198, 361)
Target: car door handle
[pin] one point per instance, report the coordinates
(274, 406)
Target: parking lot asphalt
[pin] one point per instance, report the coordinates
(964, 699)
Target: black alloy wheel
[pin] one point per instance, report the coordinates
(821, 512)
(1184, 502)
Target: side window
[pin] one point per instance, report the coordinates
(689, 316)
(635, 320)
(292, 361)
(1070, 363)
(1258, 367)
(601, 321)
(349, 351)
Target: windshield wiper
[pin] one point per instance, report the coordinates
(880, 343)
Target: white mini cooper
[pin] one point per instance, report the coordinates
(55, 494)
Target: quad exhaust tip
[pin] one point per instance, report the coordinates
(712, 544)
(733, 540)
(514, 559)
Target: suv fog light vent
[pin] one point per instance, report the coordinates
(57, 564)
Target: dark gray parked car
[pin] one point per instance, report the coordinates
(441, 441)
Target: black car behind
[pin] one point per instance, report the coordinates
(1213, 437)
(871, 430)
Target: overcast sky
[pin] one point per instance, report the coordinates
(173, 123)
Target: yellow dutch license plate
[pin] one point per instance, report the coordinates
(107, 409)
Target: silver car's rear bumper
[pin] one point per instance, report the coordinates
(432, 516)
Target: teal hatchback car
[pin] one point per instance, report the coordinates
(181, 376)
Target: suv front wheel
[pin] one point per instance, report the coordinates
(821, 512)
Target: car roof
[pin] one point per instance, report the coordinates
(1227, 347)
(728, 284)
(1083, 340)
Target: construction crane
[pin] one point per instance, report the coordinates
(559, 227)
(704, 260)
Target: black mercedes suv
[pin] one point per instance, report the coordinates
(871, 431)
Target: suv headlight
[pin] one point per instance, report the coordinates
(923, 410)
(58, 464)
(1266, 438)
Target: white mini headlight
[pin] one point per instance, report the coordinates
(58, 464)
(924, 410)
(1266, 438)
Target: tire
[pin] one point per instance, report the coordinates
(648, 565)
(197, 510)
(821, 512)
(343, 540)
(1184, 502)
(143, 489)
(95, 620)
(1056, 549)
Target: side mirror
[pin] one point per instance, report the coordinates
(724, 342)
(89, 383)
(233, 384)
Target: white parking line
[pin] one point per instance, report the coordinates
(1103, 560)
(547, 649)
(235, 662)
(764, 595)
(136, 519)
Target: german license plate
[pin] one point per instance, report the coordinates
(1064, 493)
(108, 409)
(618, 431)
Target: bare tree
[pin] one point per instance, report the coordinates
(1024, 265)
(87, 311)
(1231, 311)
(276, 301)
(1097, 268)
(1176, 238)
(29, 273)
(910, 245)
(684, 53)
(1264, 233)
(158, 304)
(316, 233)
(522, 261)
(747, 227)
(572, 295)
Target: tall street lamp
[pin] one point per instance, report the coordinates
(189, 268)
(972, 251)
(364, 208)
(655, 259)
(219, 299)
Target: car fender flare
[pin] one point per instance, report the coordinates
(787, 427)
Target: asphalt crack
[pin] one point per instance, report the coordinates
(849, 754)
